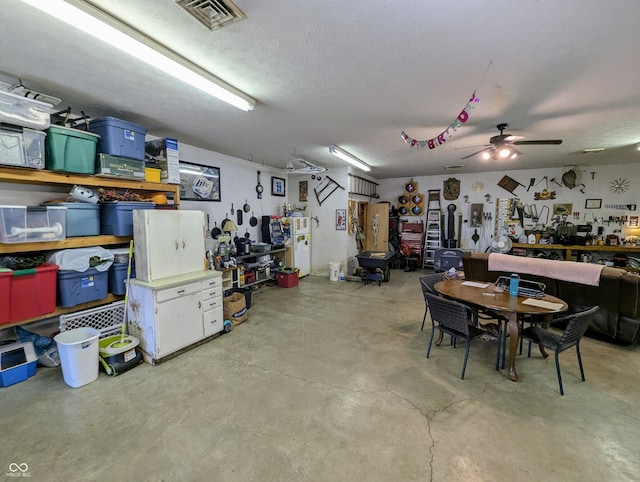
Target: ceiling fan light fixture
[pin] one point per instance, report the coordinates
(504, 152)
(486, 156)
(350, 158)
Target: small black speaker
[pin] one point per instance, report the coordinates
(265, 229)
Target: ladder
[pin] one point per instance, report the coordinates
(432, 239)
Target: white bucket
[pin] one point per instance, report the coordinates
(334, 271)
(78, 350)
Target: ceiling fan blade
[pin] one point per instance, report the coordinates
(476, 153)
(469, 147)
(538, 142)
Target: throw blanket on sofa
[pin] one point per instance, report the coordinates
(583, 273)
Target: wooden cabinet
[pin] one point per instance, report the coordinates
(171, 314)
(376, 227)
(168, 243)
(49, 178)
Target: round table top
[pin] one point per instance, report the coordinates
(487, 297)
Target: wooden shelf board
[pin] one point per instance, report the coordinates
(63, 311)
(80, 242)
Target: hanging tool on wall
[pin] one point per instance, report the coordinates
(321, 191)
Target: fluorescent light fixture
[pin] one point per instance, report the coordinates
(345, 156)
(102, 26)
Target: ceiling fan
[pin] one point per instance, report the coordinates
(501, 146)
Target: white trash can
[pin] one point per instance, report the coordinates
(78, 350)
(334, 271)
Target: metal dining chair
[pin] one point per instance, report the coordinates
(577, 324)
(427, 284)
(452, 318)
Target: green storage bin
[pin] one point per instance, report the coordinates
(70, 150)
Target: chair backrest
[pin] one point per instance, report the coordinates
(449, 313)
(576, 327)
(428, 282)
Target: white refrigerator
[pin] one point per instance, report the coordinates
(301, 244)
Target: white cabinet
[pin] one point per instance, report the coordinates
(173, 313)
(168, 243)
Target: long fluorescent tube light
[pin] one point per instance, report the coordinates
(345, 156)
(97, 23)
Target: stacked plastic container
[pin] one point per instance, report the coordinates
(22, 140)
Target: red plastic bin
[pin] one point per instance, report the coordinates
(28, 293)
(286, 279)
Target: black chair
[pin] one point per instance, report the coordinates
(577, 324)
(452, 318)
(427, 284)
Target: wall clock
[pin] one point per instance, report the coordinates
(619, 185)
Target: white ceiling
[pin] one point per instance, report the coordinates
(356, 73)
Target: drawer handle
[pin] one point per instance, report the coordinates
(177, 246)
(212, 304)
(180, 292)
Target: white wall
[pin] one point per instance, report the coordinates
(327, 243)
(238, 179)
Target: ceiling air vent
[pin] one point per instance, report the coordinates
(213, 14)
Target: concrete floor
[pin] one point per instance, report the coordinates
(329, 381)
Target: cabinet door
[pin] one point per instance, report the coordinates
(168, 243)
(157, 244)
(191, 241)
(376, 227)
(179, 323)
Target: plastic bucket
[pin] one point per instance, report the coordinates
(334, 271)
(78, 350)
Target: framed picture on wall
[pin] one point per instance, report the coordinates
(593, 204)
(277, 186)
(199, 183)
(341, 219)
(303, 191)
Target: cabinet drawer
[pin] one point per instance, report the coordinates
(211, 293)
(212, 303)
(213, 321)
(177, 291)
(212, 283)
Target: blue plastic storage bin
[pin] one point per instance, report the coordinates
(75, 287)
(117, 218)
(119, 137)
(118, 276)
(83, 219)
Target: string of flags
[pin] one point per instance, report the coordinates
(434, 142)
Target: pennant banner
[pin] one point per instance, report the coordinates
(462, 118)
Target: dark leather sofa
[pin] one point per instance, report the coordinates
(618, 296)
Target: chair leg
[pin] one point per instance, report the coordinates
(423, 319)
(433, 329)
(559, 375)
(499, 345)
(466, 355)
(504, 343)
(580, 360)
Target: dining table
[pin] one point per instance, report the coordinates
(484, 294)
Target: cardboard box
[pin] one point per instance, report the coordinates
(165, 152)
